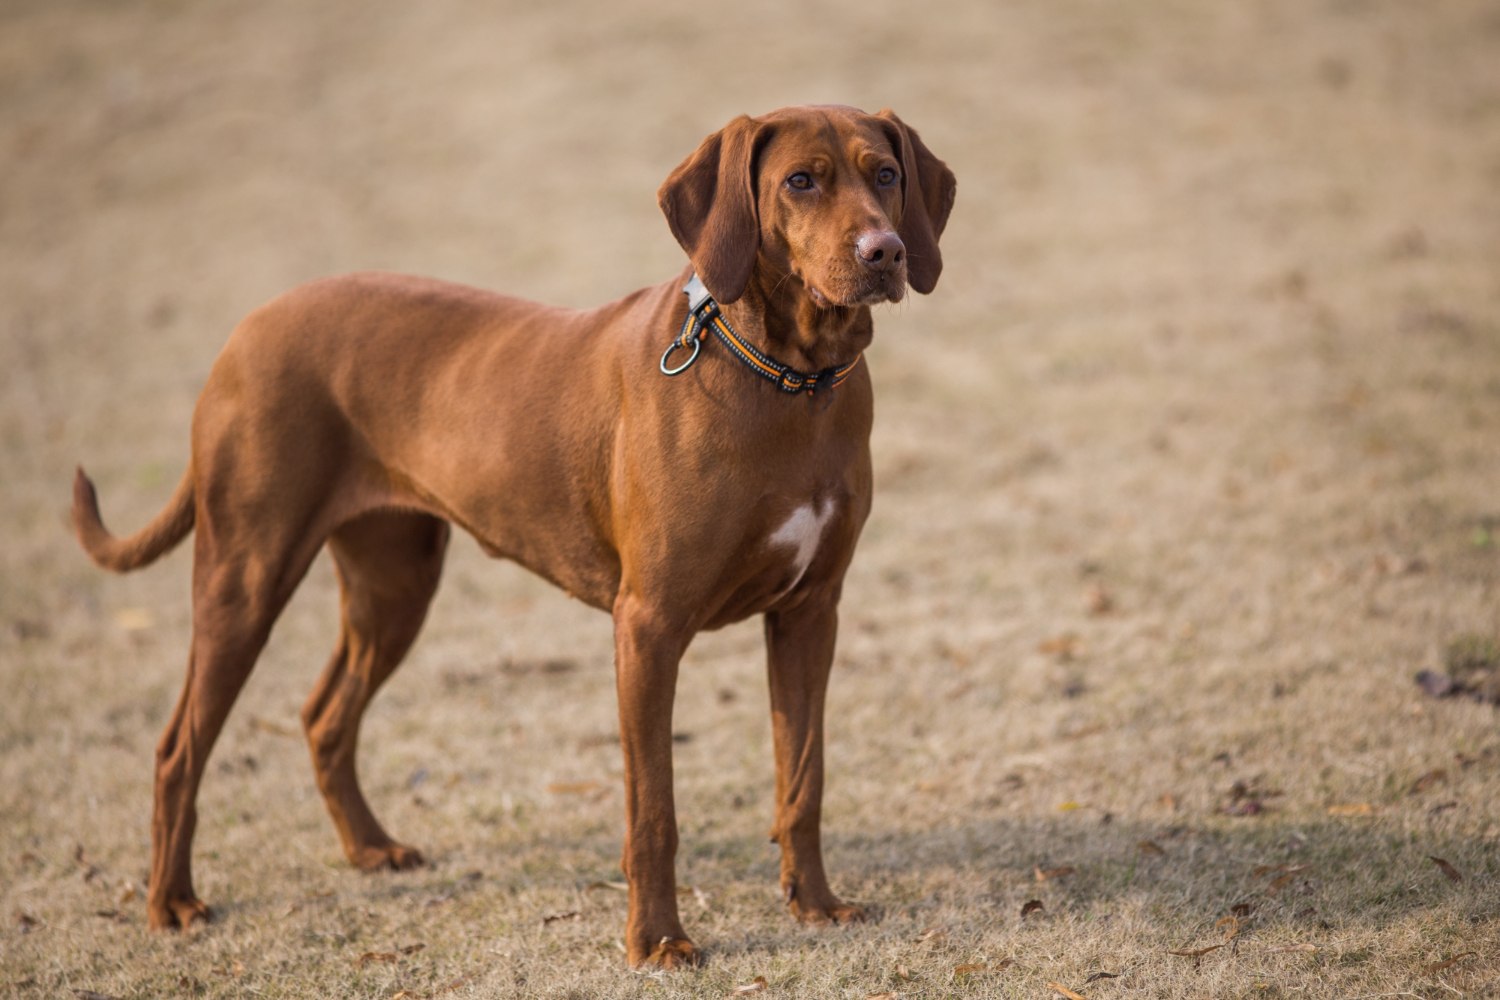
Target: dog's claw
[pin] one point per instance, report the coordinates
(178, 914)
(672, 953)
(834, 912)
(391, 857)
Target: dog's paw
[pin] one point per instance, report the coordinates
(178, 914)
(833, 912)
(387, 857)
(817, 905)
(669, 954)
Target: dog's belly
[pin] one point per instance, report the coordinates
(583, 567)
(453, 402)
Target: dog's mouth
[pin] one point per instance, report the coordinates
(819, 299)
(887, 288)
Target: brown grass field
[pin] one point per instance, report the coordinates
(1189, 465)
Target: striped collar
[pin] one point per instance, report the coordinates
(704, 313)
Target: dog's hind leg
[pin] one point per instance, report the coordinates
(237, 595)
(388, 567)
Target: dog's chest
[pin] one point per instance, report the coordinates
(797, 538)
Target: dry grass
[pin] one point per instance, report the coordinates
(1218, 347)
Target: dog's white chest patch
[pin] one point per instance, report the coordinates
(801, 533)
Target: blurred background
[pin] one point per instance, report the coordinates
(1184, 470)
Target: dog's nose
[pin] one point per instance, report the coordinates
(881, 250)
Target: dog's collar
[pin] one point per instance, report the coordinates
(703, 312)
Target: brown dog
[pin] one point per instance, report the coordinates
(367, 412)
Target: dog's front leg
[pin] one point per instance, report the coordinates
(800, 644)
(646, 657)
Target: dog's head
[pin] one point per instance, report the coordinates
(849, 205)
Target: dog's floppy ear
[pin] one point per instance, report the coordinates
(927, 187)
(710, 204)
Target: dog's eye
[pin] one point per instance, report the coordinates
(800, 181)
(886, 176)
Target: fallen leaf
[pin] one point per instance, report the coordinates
(525, 667)
(1447, 869)
(1063, 991)
(134, 619)
(1352, 809)
(754, 986)
(1031, 906)
(275, 728)
(1101, 975)
(932, 934)
(128, 894)
(1242, 909)
(1437, 685)
(412, 949)
(1097, 599)
(575, 787)
(1426, 781)
(1003, 964)
(1167, 801)
(1080, 731)
(1150, 847)
(1280, 883)
(1047, 874)
(1232, 925)
(553, 918)
(1065, 647)
(1251, 791)
(904, 974)
(1437, 967)
(1195, 952)
(375, 956)
(461, 981)
(969, 969)
(1283, 949)
(617, 886)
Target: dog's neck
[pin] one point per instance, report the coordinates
(780, 317)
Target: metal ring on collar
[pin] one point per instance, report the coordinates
(674, 345)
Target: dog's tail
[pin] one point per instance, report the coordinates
(145, 546)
